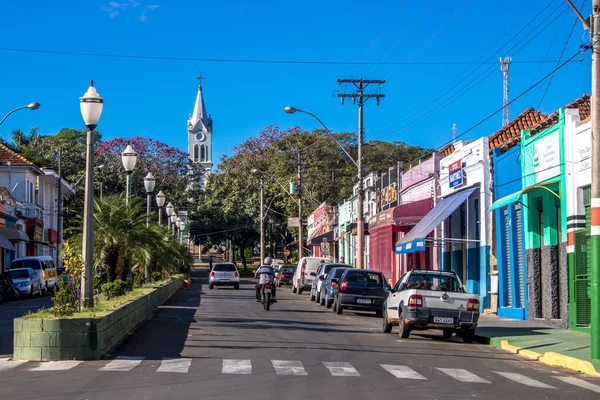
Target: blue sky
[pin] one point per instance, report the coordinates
(155, 97)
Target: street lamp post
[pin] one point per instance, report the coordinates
(160, 202)
(149, 183)
(360, 218)
(32, 106)
(129, 158)
(169, 211)
(173, 218)
(262, 217)
(179, 223)
(91, 108)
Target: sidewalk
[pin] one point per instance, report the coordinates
(560, 347)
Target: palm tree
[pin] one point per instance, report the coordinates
(21, 140)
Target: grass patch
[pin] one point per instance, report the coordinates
(102, 306)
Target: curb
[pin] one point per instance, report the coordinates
(549, 358)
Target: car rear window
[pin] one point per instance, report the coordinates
(435, 282)
(288, 269)
(339, 272)
(364, 278)
(33, 264)
(224, 268)
(18, 274)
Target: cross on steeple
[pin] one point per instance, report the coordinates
(200, 78)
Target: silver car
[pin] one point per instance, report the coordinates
(224, 274)
(315, 289)
(26, 280)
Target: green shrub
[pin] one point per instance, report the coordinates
(157, 276)
(139, 280)
(64, 301)
(116, 288)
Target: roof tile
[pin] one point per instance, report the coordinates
(8, 155)
(511, 133)
(583, 104)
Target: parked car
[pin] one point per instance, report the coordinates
(360, 289)
(330, 281)
(322, 271)
(283, 276)
(26, 280)
(424, 299)
(302, 278)
(43, 266)
(224, 274)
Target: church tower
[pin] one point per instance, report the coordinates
(200, 133)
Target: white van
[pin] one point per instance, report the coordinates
(43, 266)
(305, 273)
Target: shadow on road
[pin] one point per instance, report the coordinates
(15, 309)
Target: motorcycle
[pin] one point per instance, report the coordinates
(266, 296)
(8, 289)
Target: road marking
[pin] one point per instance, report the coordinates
(283, 367)
(402, 371)
(579, 383)
(56, 366)
(180, 365)
(243, 367)
(524, 380)
(121, 364)
(463, 375)
(7, 363)
(341, 369)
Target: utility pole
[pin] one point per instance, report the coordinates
(361, 84)
(592, 25)
(59, 213)
(300, 230)
(262, 220)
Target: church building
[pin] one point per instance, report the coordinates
(200, 134)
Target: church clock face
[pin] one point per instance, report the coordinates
(200, 137)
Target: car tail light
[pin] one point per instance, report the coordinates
(212, 273)
(472, 305)
(333, 284)
(415, 300)
(236, 274)
(282, 276)
(267, 285)
(344, 285)
(303, 268)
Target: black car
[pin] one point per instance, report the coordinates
(364, 290)
(284, 274)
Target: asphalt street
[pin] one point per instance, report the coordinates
(14, 309)
(220, 344)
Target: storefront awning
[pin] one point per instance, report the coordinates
(414, 240)
(317, 240)
(6, 244)
(13, 234)
(514, 197)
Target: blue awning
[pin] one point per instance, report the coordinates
(506, 200)
(414, 240)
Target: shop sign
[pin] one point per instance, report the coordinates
(584, 151)
(455, 174)
(318, 221)
(546, 157)
(293, 222)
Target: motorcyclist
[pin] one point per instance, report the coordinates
(265, 273)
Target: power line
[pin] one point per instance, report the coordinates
(256, 61)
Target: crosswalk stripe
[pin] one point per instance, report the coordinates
(402, 371)
(237, 367)
(579, 383)
(284, 367)
(525, 380)
(341, 369)
(180, 365)
(463, 375)
(122, 364)
(7, 363)
(56, 366)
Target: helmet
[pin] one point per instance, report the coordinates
(268, 261)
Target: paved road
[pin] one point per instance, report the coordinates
(219, 344)
(14, 309)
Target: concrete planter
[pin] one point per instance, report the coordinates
(85, 338)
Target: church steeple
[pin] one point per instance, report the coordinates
(199, 122)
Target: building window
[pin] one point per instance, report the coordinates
(195, 153)
(202, 152)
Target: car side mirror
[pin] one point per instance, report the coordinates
(321, 278)
(387, 288)
(313, 274)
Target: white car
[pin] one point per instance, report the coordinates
(425, 299)
(26, 280)
(224, 274)
(305, 273)
(43, 266)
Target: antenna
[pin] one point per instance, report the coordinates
(504, 67)
(453, 133)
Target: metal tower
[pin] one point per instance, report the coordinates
(505, 66)
(453, 133)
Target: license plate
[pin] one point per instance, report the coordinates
(363, 301)
(443, 320)
(267, 291)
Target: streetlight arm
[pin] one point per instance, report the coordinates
(16, 109)
(330, 133)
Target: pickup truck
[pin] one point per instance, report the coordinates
(425, 299)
